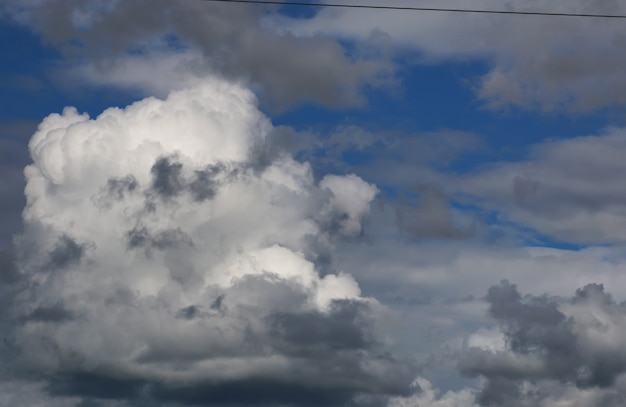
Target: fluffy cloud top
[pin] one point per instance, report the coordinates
(162, 261)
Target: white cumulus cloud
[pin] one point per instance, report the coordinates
(158, 253)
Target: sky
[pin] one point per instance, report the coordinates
(211, 204)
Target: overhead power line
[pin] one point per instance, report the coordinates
(410, 8)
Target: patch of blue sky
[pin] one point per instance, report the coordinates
(295, 11)
(27, 92)
(30, 85)
(441, 97)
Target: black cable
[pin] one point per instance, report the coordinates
(409, 8)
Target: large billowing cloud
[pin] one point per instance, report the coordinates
(556, 351)
(162, 258)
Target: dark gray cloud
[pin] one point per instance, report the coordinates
(169, 238)
(116, 190)
(138, 237)
(255, 392)
(532, 324)
(205, 184)
(141, 237)
(53, 314)
(333, 224)
(66, 252)
(189, 312)
(432, 217)
(345, 327)
(217, 304)
(94, 385)
(555, 343)
(233, 39)
(328, 354)
(500, 392)
(167, 179)
(119, 187)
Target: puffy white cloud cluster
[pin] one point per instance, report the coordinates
(160, 254)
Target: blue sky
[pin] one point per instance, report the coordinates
(264, 202)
